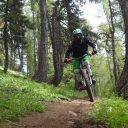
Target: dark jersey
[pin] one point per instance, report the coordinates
(79, 48)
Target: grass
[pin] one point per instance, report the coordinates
(112, 111)
(20, 95)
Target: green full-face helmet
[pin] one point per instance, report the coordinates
(77, 31)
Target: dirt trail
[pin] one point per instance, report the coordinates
(65, 114)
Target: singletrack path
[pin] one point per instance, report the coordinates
(64, 114)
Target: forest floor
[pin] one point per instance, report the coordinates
(64, 114)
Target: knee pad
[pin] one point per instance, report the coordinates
(86, 64)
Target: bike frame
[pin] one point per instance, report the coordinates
(85, 67)
(86, 77)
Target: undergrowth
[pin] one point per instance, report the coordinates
(19, 95)
(113, 111)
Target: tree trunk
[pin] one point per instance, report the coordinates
(67, 5)
(122, 87)
(108, 61)
(112, 31)
(6, 39)
(34, 38)
(57, 47)
(42, 70)
(20, 53)
(11, 57)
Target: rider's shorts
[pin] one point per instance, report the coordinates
(76, 63)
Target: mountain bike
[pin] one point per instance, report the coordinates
(86, 78)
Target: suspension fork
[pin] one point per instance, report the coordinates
(84, 65)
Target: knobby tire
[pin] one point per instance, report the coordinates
(89, 86)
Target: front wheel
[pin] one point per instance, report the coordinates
(88, 82)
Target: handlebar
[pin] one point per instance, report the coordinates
(69, 60)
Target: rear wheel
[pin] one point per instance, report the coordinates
(87, 80)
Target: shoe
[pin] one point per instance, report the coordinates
(81, 86)
(93, 80)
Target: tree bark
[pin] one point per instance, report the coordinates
(122, 87)
(112, 31)
(108, 61)
(34, 38)
(6, 39)
(57, 47)
(67, 5)
(20, 53)
(42, 70)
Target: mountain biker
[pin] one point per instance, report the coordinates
(77, 49)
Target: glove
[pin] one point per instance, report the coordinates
(67, 60)
(94, 52)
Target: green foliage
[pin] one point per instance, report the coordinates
(101, 72)
(19, 95)
(112, 111)
(68, 76)
(16, 97)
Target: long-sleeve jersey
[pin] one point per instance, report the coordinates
(79, 48)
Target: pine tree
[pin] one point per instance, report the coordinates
(123, 81)
(13, 31)
(41, 74)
